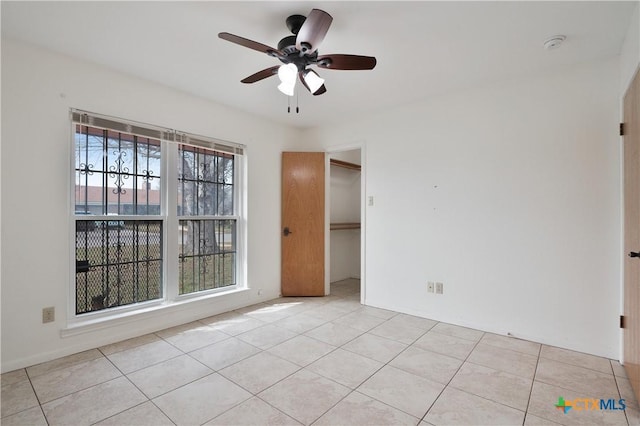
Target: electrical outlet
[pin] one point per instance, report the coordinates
(439, 288)
(430, 287)
(48, 314)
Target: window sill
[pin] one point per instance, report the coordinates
(156, 310)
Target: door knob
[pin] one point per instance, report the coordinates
(286, 231)
(634, 254)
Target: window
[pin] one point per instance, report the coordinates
(125, 223)
(207, 226)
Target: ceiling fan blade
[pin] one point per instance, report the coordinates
(313, 30)
(346, 62)
(261, 75)
(320, 91)
(251, 44)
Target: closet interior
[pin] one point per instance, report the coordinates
(345, 211)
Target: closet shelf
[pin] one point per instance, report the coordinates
(345, 164)
(346, 225)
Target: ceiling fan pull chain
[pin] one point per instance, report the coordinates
(288, 104)
(297, 99)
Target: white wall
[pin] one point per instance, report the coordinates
(509, 195)
(345, 207)
(630, 53)
(38, 88)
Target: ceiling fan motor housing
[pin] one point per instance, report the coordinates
(288, 45)
(294, 23)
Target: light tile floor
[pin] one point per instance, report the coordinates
(324, 361)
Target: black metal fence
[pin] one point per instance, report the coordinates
(118, 262)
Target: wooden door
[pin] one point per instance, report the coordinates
(631, 139)
(303, 223)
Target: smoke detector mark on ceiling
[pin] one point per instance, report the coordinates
(554, 42)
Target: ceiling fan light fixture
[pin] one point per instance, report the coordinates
(287, 75)
(287, 89)
(313, 80)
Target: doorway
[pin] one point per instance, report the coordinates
(344, 243)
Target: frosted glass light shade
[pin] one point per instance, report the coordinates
(287, 75)
(313, 80)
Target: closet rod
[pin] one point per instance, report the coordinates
(345, 164)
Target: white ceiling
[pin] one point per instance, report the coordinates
(423, 48)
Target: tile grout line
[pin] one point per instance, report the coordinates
(391, 340)
(144, 394)
(132, 384)
(620, 394)
(37, 399)
(213, 371)
(256, 395)
(122, 374)
(575, 365)
(90, 387)
(533, 380)
(563, 386)
(352, 390)
(77, 390)
(387, 364)
(299, 367)
(422, 419)
(149, 365)
(33, 389)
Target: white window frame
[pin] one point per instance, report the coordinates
(170, 140)
(238, 202)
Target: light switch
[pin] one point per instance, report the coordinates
(370, 200)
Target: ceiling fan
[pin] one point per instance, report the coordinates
(300, 50)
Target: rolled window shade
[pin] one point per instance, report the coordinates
(122, 126)
(209, 143)
(150, 131)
